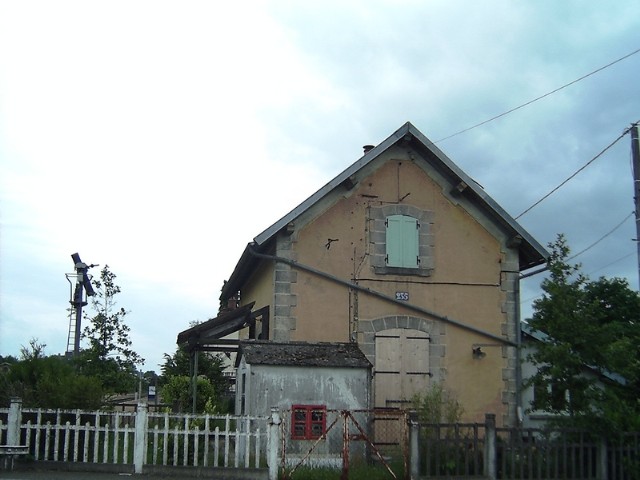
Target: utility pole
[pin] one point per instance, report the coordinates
(635, 153)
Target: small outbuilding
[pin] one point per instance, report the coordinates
(309, 383)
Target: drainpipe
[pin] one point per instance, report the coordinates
(381, 296)
(519, 410)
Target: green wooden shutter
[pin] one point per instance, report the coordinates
(402, 241)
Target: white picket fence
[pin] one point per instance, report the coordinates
(139, 438)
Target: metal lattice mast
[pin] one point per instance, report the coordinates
(78, 300)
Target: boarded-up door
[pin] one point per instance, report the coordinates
(401, 366)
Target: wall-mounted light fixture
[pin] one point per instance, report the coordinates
(477, 352)
(477, 349)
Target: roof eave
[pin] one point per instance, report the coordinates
(241, 272)
(531, 252)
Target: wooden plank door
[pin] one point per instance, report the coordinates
(401, 366)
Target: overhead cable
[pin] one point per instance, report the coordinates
(546, 267)
(611, 263)
(540, 97)
(576, 172)
(527, 300)
(602, 237)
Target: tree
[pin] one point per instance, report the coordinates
(48, 382)
(178, 392)
(177, 367)
(589, 324)
(110, 355)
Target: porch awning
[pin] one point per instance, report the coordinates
(215, 328)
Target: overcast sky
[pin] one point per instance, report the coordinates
(160, 137)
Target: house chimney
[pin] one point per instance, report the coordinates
(367, 148)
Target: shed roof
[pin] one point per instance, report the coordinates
(303, 354)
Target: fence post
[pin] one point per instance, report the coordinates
(13, 421)
(414, 445)
(140, 443)
(601, 462)
(273, 441)
(490, 469)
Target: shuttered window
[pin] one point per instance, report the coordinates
(402, 235)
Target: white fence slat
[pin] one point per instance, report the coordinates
(105, 446)
(76, 436)
(236, 456)
(216, 449)
(185, 445)
(28, 435)
(65, 442)
(176, 437)
(165, 435)
(205, 457)
(56, 440)
(226, 447)
(96, 438)
(155, 445)
(36, 455)
(47, 441)
(85, 445)
(110, 437)
(196, 446)
(258, 444)
(247, 449)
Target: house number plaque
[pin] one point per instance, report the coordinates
(403, 296)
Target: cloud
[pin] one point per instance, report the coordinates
(160, 137)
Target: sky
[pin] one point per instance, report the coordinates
(159, 137)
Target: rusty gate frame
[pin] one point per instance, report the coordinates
(346, 438)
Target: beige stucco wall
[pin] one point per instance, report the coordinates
(259, 288)
(465, 285)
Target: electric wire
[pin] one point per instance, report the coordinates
(603, 237)
(611, 263)
(627, 130)
(527, 300)
(546, 267)
(540, 97)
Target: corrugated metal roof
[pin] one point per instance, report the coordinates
(303, 354)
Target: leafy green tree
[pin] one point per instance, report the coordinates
(593, 324)
(178, 392)
(210, 368)
(48, 382)
(110, 355)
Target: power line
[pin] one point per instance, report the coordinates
(602, 237)
(576, 172)
(546, 267)
(527, 300)
(539, 98)
(611, 263)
